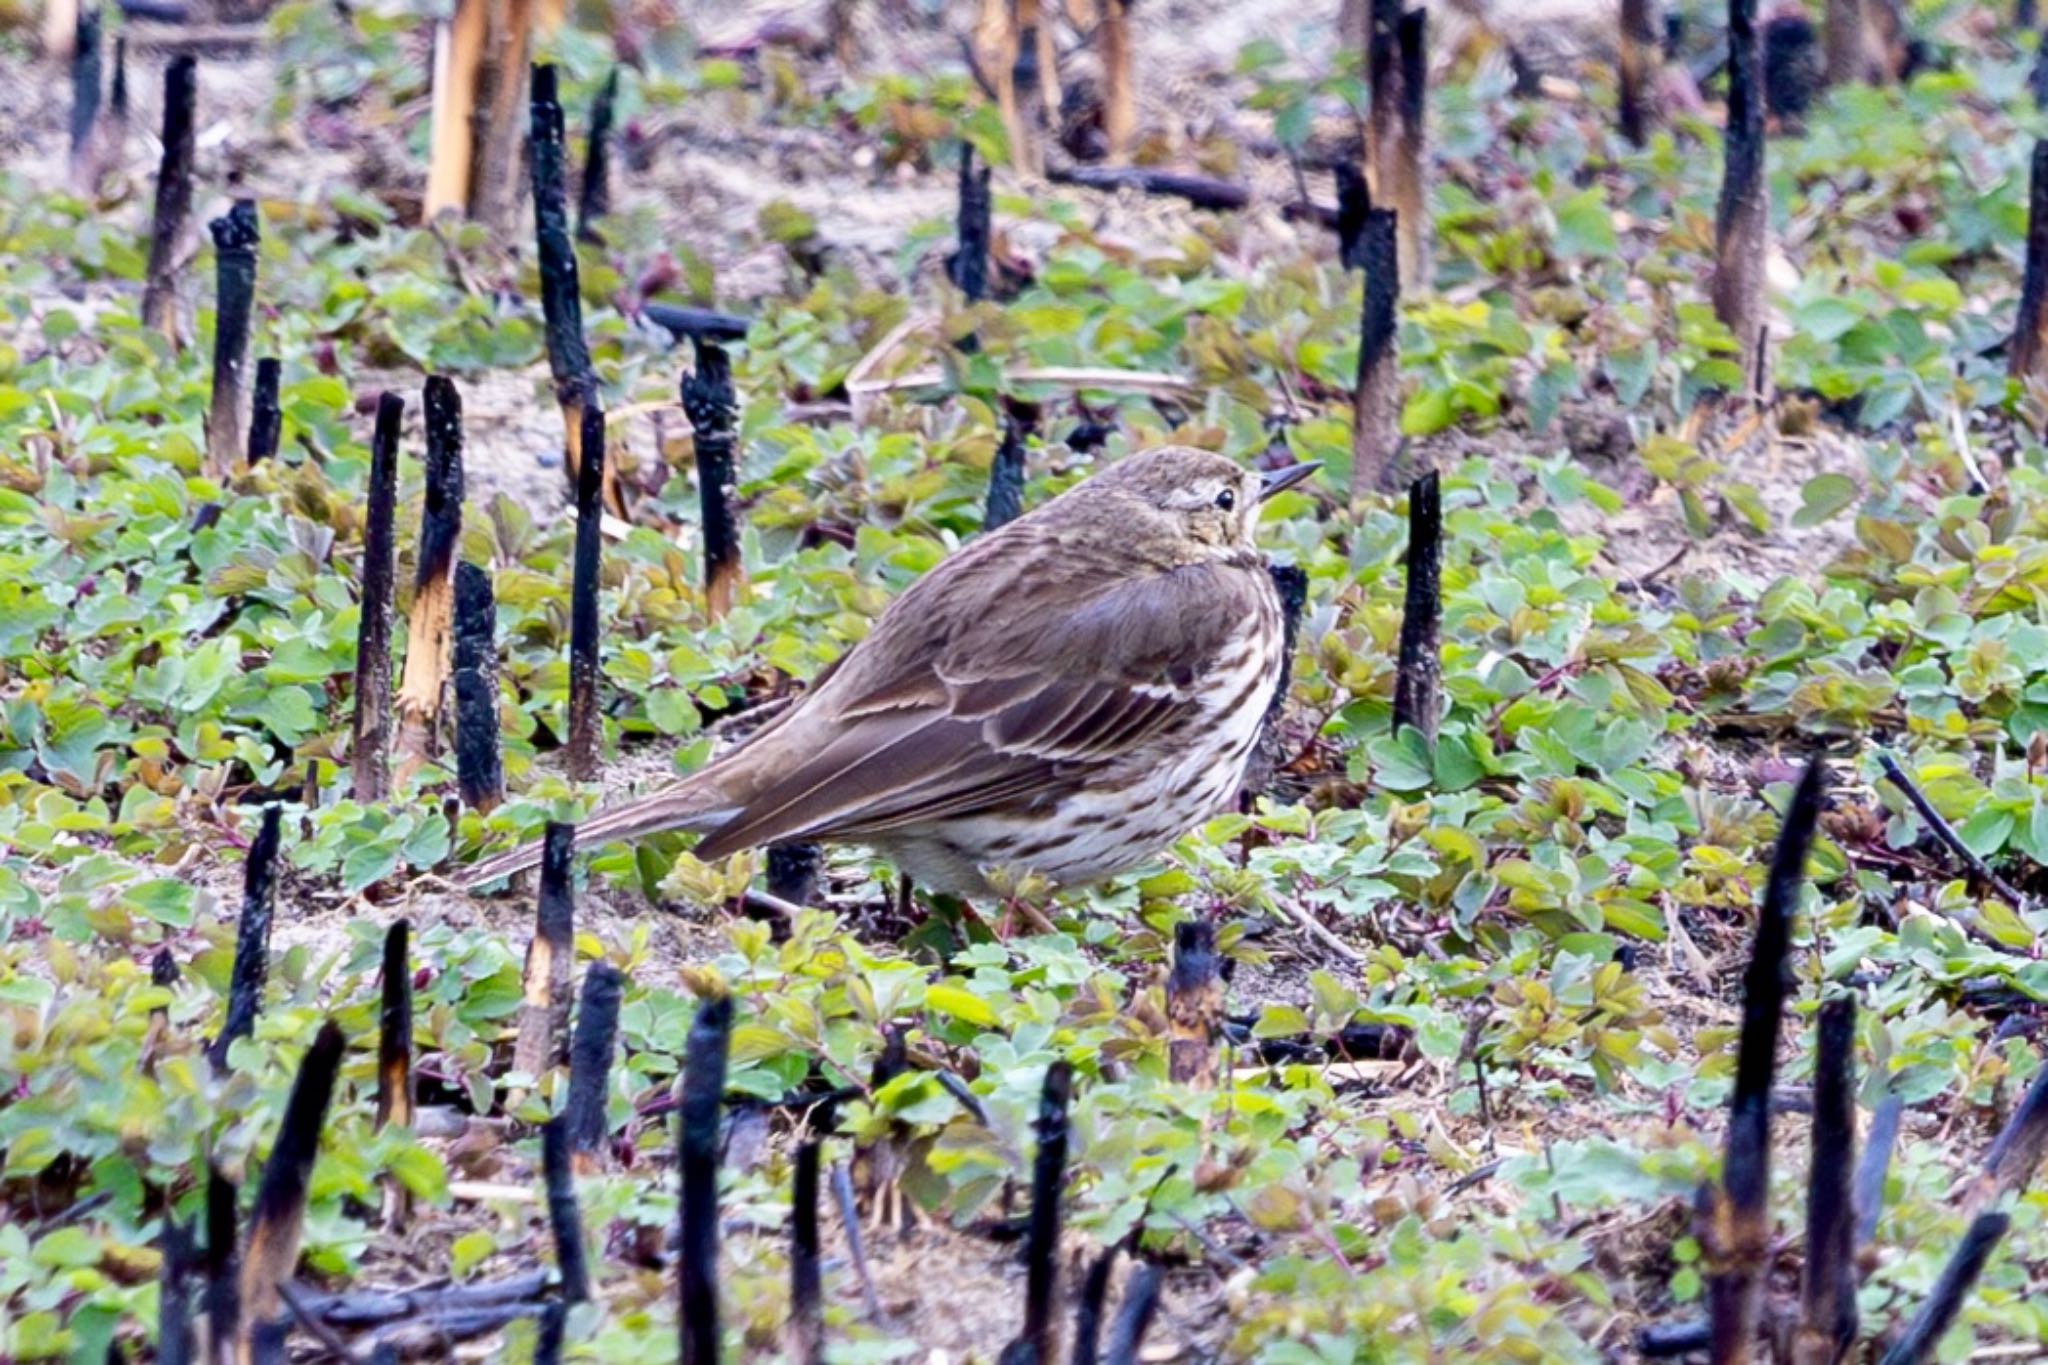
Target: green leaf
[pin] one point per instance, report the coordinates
(959, 1003)
(1824, 496)
(1584, 226)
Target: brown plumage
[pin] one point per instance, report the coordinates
(1064, 696)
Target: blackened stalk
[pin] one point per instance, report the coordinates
(967, 267)
(806, 1283)
(1734, 1225)
(1194, 1004)
(1204, 192)
(712, 407)
(479, 773)
(272, 1248)
(1006, 477)
(1409, 195)
(585, 733)
(1933, 1320)
(2027, 358)
(596, 200)
(703, 1091)
(117, 95)
(550, 959)
(266, 422)
(370, 745)
(1741, 219)
(1383, 108)
(1041, 1251)
(590, 1064)
(1354, 201)
(2017, 1150)
(1418, 674)
(1870, 1171)
(682, 322)
(163, 973)
(1134, 1315)
(221, 1299)
(1827, 1323)
(429, 630)
(252, 938)
(394, 1031)
(793, 872)
(1087, 1348)
(1376, 420)
(560, 298)
(85, 84)
(174, 1296)
(1641, 54)
(235, 235)
(173, 199)
(557, 1172)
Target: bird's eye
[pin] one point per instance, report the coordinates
(1226, 500)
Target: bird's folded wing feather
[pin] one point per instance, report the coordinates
(994, 718)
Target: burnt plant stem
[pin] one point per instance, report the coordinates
(429, 633)
(1409, 193)
(806, 1283)
(560, 297)
(1418, 672)
(1870, 1171)
(1006, 477)
(2018, 1149)
(1828, 1292)
(967, 268)
(173, 198)
(1354, 201)
(584, 725)
(1194, 1004)
(550, 956)
(1087, 1347)
(703, 1089)
(1375, 433)
(557, 1172)
(1134, 1315)
(856, 1252)
(590, 1062)
(235, 235)
(692, 323)
(712, 407)
(266, 422)
(1741, 219)
(1201, 191)
(370, 743)
(1041, 1251)
(85, 80)
(596, 200)
(252, 938)
(479, 772)
(1933, 1320)
(394, 1031)
(117, 93)
(222, 1297)
(272, 1248)
(1641, 54)
(174, 1296)
(1945, 832)
(2027, 358)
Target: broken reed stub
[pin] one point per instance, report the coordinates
(542, 1039)
(479, 767)
(590, 1064)
(430, 626)
(561, 298)
(276, 1221)
(173, 198)
(370, 743)
(236, 234)
(585, 728)
(595, 200)
(1376, 404)
(703, 1093)
(1742, 214)
(266, 421)
(251, 968)
(1042, 1236)
(394, 1031)
(1418, 672)
(712, 405)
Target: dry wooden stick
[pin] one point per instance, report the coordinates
(1946, 832)
(1383, 108)
(1641, 53)
(272, 1248)
(1418, 675)
(458, 49)
(430, 626)
(479, 773)
(1119, 99)
(370, 741)
(596, 199)
(235, 235)
(266, 421)
(585, 728)
(2027, 357)
(590, 1064)
(1376, 429)
(1408, 196)
(806, 1335)
(173, 199)
(1194, 1004)
(557, 1171)
(500, 90)
(703, 1092)
(1048, 1179)
(996, 48)
(1204, 192)
(1935, 1317)
(1827, 1322)
(550, 959)
(1005, 501)
(252, 938)
(1734, 1223)
(712, 407)
(394, 1032)
(1742, 219)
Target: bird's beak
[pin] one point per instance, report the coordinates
(1274, 480)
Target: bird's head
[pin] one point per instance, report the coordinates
(1197, 495)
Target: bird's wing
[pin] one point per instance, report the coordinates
(996, 716)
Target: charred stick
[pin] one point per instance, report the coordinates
(1375, 433)
(1087, 1348)
(252, 938)
(275, 1223)
(1119, 98)
(2027, 358)
(1941, 828)
(1134, 1315)
(2017, 1150)
(117, 95)
(1006, 478)
(1418, 676)
(235, 235)
(1932, 1322)
(85, 83)
(552, 1337)
(1048, 1177)
(429, 633)
(1354, 201)
(695, 323)
(371, 738)
(1734, 1217)
(394, 1032)
(967, 267)
(266, 422)
(1194, 1004)
(585, 735)
(173, 199)
(561, 299)
(550, 957)
(1741, 219)
(1383, 109)
(596, 200)
(558, 1173)
(222, 1297)
(806, 1284)
(1870, 1171)
(590, 1063)
(1202, 191)
(712, 407)
(479, 773)
(1828, 1292)
(1662, 1340)
(849, 1219)
(1641, 54)
(793, 872)
(703, 1089)
(1409, 195)
(174, 1296)
(369, 1308)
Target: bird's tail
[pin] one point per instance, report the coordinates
(695, 805)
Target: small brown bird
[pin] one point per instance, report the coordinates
(1065, 696)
